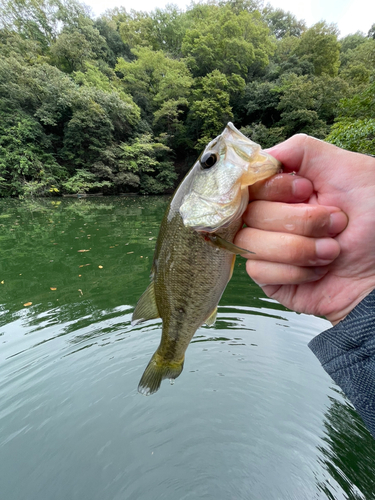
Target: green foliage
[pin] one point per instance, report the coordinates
(282, 23)
(320, 46)
(363, 54)
(355, 126)
(355, 135)
(351, 42)
(118, 103)
(309, 104)
(114, 47)
(31, 19)
(261, 102)
(210, 110)
(169, 27)
(361, 105)
(222, 40)
(161, 86)
(147, 160)
(27, 165)
(70, 51)
(82, 182)
(268, 137)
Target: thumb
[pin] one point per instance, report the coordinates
(296, 152)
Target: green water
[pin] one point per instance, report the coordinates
(252, 416)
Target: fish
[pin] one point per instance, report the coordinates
(194, 253)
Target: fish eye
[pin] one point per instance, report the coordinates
(208, 160)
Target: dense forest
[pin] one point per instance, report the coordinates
(125, 102)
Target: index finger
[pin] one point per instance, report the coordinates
(282, 187)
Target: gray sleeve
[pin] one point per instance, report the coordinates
(347, 353)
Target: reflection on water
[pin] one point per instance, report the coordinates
(253, 415)
(347, 452)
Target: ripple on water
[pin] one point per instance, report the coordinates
(253, 415)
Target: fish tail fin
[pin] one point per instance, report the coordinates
(157, 370)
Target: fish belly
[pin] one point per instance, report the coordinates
(190, 276)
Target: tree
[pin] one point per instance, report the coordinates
(266, 137)
(169, 28)
(148, 162)
(160, 86)
(371, 32)
(282, 23)
(27, 163)
(261, 102)
(70, 51)
(228, 42)
(32, 19)
(115, 47)
(351, 42)
(362, 53)
(299, 103)
(111, 103)
(98, 118)
(210, 110)
(319, 45)
(355, 126)
(136, 30)
(354, 135)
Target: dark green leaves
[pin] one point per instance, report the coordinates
(124, 102)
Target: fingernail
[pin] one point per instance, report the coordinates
(326, 248)
(337, 223)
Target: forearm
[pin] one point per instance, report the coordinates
(347, 353)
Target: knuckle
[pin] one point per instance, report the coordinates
(296, 254)
(314, 222)
(257, 272)
(299, 250)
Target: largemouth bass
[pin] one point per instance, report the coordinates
(194, 255)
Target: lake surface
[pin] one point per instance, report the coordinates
(252, 416)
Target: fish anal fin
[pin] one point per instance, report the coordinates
(157, 370)
(211, 318)
(146, 307)
(220, 242)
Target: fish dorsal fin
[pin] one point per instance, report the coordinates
(146, 307)
(220, 242)
(211, 318)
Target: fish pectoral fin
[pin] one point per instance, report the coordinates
(157, 370)
(146, 307)
(211, 318)
(220, 242)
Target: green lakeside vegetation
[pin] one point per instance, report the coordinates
(125, 102)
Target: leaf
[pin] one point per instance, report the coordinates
(28, 304)
(100, 267)
(83, 250)
(52, 288)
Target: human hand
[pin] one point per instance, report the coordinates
(309, 256)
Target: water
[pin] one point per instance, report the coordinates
(252, 416)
